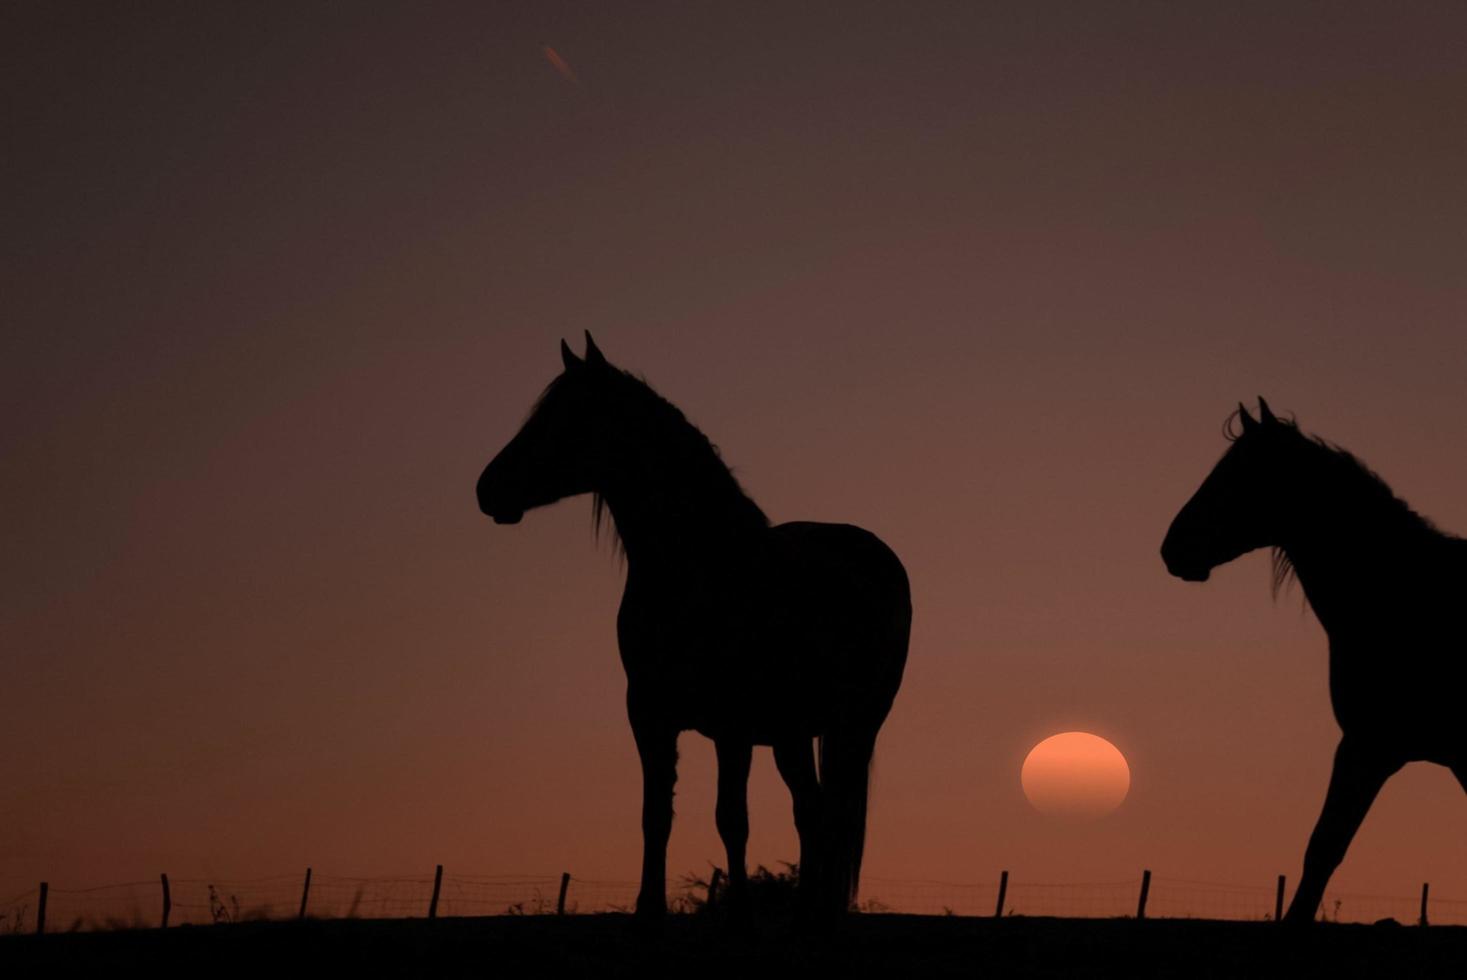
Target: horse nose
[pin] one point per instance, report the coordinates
(493, 505)
(481, 493)
(1179, 567)
(485, 491)
(1175, 565)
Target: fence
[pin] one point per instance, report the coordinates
(201, 901)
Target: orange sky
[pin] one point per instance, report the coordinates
(983, 279)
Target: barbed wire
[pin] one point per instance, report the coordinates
(23, 895)
(98, 888)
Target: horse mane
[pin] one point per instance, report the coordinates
(686, 450)
(1345, 474)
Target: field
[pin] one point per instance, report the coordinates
(695, 947)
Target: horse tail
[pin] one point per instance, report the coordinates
(845, 780)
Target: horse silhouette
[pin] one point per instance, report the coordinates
(746, 632)
(1385, 584)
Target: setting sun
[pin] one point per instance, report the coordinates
(1075, 774)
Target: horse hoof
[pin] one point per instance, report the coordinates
(1294, 921)
(650, 913)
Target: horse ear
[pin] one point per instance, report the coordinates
(1265, 414)
(594, 357)
(568, 357)
(1248, 421)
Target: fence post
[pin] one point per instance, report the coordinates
(1145, 888)
(564, 884)
(1003, 890)
(305, 893)
(437, 884)
(1278, 902)
(1425, 887)
(41, 908)
(713, 883)
(167, 900)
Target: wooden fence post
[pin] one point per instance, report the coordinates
(41, 909)
(1003, 890)
(1425, 887)
(167, 900)
(713, 883)
(305, 893)
(437, 884)
(1145, 888)
(1278, 902)
(564, 884)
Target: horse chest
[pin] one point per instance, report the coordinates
(670, 642)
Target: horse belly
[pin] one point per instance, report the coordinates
(806, 629)
(1404, 692)
(815, 661)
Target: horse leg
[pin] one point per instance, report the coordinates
(1359, 773)
(845, 769)
(732, 813)
(796, 763)
(657, 747)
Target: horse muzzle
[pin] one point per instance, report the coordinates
(500, 509)
(1186, 571)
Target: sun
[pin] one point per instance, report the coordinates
(1075, 774)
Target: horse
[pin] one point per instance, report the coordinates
(1383, 581)
(788, 635)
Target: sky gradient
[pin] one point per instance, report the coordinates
(985, 279)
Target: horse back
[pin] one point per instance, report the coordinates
(844, 575)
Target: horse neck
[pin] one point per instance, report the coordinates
(664, 511)
(1350, 550)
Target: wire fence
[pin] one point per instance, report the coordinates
(203, 901)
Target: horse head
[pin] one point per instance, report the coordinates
(561, 449)
(1236, 510)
